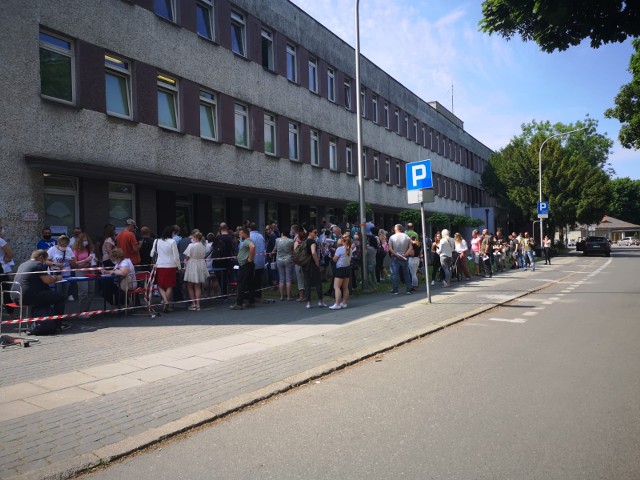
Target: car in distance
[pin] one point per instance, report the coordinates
(628, 241)
(596, 245)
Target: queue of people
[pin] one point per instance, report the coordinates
(302, 255)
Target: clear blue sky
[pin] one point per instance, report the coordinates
(431, 45)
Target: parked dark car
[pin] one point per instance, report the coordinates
(596, 245)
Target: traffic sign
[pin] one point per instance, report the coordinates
(419, 175)
(543, 209)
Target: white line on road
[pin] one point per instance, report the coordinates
(509, 320)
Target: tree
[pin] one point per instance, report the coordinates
(627, 101)
(575, 177)
(625, 198)
(554, 24)
(353, 209)
(411, 216)
(438, 221)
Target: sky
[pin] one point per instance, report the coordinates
(497, 84)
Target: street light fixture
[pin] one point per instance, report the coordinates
(540, 170)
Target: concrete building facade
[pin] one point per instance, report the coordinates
(199, 111)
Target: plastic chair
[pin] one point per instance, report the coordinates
(142, 278)
(23, 310)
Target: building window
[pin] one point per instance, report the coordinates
(415, 130)
(293, 142)
(313, 75)
(364, 163)
(376, 167)
(331, 85)
(269, 134)
(267, 49)
(117, 86)
(349, 158)
(397, 117)
(121, 202)
(168, 102)
(292, 71)
(56, 68)
(347, 94)
(387, 170)
(333, 154)
(424, 136)
(165, 9)
(238, 34)
(241, 125)
(315, 148)
(374, 106)
(208, 116)
(61, 203)
(399, 180)
(363, 102)
(406, 125)
(204, 18)
(386, 116)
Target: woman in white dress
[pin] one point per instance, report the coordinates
(195, 270)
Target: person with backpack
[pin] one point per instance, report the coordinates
(528, 246)
(222, 251)
(299, 236)
(286, 268)
(447, 247)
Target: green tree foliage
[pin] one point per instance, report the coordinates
(575, 177)
(555, 24)
(625, 200)
(411, 216)
(353, 209)
(627, 101)
(439, 221)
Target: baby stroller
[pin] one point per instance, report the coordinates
(456, 269)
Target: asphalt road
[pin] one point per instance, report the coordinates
(547, 387)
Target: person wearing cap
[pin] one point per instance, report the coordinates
(127, 241)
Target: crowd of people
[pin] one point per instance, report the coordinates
(303, 256)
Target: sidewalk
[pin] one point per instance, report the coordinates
(112, 385)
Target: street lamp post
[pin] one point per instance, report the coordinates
(363, 219)
(540, 170)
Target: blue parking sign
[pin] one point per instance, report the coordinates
(543, 209)
(419, 175)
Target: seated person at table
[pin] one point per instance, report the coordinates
(126, 278)
(34, 279)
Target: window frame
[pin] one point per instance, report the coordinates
(331, 84)
(292, 63)
(122, 196)
(347, 94)
(270, 123)
(313, 74)
(314, 148)
(374, 107)
(240, 110)
(399, 180)
(266, 35)
(173, 17)
(333, 153)
(70, 53)
(387, 170)
(363, 102)
(206, 5)
(376, 167)
(73, 191)
(121, 72)
(349, 158)
(387, 117)
(173, 90)
(211, 103)
(294, 141)
(238, 21)
(397, 117)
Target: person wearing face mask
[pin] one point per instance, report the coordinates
(61, 260)
(47, 240)
(85, 255)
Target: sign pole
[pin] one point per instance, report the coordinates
(424, 249)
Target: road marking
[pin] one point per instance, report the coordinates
(539, 308)
(509, 320)
(554, 298)
(566, 291)
(529, 314)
